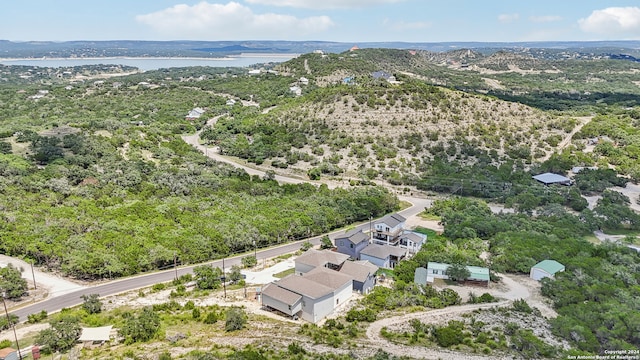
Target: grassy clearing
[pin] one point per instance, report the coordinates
(424, 215)
(282, 274)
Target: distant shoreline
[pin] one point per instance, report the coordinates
(97, 58)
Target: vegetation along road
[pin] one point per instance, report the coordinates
(70, 299)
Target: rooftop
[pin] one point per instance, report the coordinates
(392, 220)
(550, 266)
(355, 236)
(358, 270)
(551, 178)
(282, 294)
(303, 286)
(319, 258)
(382, 251)
(329, 278)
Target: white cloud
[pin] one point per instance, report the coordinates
(545, 18)
(507, 18)
(324, 4)
(613, 21)
(233, 21)
(403, 25)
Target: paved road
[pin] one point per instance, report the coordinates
(119, 286)
(123, 285)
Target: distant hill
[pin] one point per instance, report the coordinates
(38, 49)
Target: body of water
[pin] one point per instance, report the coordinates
(154, 63)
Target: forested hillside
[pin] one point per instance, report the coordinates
(96, 181)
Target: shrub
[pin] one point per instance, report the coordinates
(211, 318)
(235, 319)
(36, 318)
(366, 315)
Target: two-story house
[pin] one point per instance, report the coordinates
(387, 230)
(352, 243)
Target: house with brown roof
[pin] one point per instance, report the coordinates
(311, 296)
(313, 258)
(363, 274)
(9, 354)
(384, 256)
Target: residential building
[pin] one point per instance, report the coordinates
(384, 256)
(388, 229)
(311, 296)
(545, 268)
(478, 275)
(352, 243)
(313, 258)
(412, 241)
(195, 113)
(363, 274)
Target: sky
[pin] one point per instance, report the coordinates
(325, 20)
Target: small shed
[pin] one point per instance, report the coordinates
(545, 268)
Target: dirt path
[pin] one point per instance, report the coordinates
(582, 121)
(511, 288)
(55, 285)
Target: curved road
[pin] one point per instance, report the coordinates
(70, 299)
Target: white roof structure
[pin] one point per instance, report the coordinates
(102, 333)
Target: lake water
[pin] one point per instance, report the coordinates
(154, 63)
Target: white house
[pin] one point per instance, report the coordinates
(388, 229)
(311, 296)
(477, 274)
(313, 258)
(384, 256)
(545, 268)
(195, 113)
(412, 241)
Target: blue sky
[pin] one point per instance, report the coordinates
(330, 20)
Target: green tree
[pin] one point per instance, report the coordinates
(142, 327)
(235, 319)
(235, 275)
(458, 272)
(61, 336)
(249, 261)
(5, 147)
(11, 282)
(306, 245)
(92, 303)
(207, 277)
(325, 243)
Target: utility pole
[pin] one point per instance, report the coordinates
(370, 228)
(224, 280)
(175, 264)
(33, 274)
(255, 250)
(15, 335)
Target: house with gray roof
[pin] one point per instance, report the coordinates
(311, 296)
(388, 229)
(384, 256)
(412, 241)
(313, 258)
(363, 274)
(545, 268)
(352, 243)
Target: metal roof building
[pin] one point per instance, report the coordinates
(551, 178)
